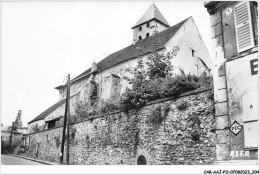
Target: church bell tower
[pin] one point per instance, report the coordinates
(150, 23)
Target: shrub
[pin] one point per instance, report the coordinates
(82, 110)
(195, 124)
(158, 113)
(109, 106)
(16, 142)
(162, 87)
(158, 82)
(182, 105)
(132, 100)
(195, 135)
(37, 128)
(57, 141)
(160, 65)
(154, 83)
(5, 149)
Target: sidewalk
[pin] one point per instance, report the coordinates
(36, 160)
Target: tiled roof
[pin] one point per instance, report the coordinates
(50, 109)
(142, 47)
(152, 13)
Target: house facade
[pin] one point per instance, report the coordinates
(235, 70)
(151, 33)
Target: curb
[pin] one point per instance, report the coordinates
(35, 160)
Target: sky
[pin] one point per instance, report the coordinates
(42, 42)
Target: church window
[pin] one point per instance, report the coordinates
(140, 38)
(116, 87)
(93, 90)
(147, 35)
(192, 53)
(147, 25)
(140, 28)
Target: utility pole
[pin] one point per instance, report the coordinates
(68, 120)
(64, 127)
(10, 141)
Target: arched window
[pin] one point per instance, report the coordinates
(147, 35)
(141, 160)
(140, 28)
(147, 25)
(140, 38)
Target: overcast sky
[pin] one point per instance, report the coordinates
(44, 41)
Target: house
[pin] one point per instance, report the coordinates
(235, 46)
(151, 33)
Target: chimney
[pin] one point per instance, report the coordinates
(94, 66)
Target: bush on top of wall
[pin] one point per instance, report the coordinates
(149, 84)
(158, 82)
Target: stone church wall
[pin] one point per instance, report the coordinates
(120, 138)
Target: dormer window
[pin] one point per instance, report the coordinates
(147, 25)
(140, 28)
(147, 35)
(140, 38)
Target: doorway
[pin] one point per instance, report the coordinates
(141, 160)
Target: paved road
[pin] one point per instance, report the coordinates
(11, 160)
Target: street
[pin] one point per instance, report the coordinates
(11, 160)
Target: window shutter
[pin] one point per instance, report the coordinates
(243, 25)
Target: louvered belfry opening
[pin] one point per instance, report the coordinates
(244, 32)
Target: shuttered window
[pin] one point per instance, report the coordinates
(243, 22)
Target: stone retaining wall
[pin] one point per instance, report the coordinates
(120, 138)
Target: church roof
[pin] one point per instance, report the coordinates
(152, 13)
(50, 109)
(142, 47)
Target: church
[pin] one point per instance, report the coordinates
(151, 33)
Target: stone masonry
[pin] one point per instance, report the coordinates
(120, 138)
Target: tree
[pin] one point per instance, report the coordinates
(159, 65)
(135, 98)
(18, 121)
